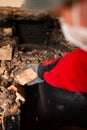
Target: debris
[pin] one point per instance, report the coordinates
(12, 88)
(6, 53)
(2, 70)
(7, 32)
(19, 98)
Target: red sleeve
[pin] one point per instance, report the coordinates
(70, 73)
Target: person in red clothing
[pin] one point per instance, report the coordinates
(65, 79)
(70, 71)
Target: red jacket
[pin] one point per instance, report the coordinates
(70, 72)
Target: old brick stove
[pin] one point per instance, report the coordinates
(16, 28)
(24, 38)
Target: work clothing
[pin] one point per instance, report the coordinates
(69, 73)
(54, 108)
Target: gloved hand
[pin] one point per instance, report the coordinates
(40, 69)
(35, 68)
(47, 66)
(34, 73)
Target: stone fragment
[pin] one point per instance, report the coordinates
(2, 70)
(26, 76)
(6, 32)
(6, 53)
(12, 88)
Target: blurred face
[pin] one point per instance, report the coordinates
(83, 13)
(73, 21)
(77, 14)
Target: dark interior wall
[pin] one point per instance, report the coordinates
(35, 32)
(30, 32)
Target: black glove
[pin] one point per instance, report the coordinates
(41, 68)
(46, 67)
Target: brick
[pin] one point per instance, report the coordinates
(26, 76)
(6, 32)
(19, 97)
(12, 88)
(12, 41)
(2, 70)
(6, 53)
